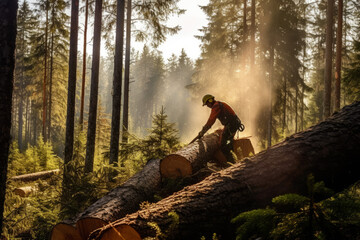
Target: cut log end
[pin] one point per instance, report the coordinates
(87, 225)
(121, 232)
(63, 231)
(175, 166)
(24, 191)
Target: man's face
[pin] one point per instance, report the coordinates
(209, 104)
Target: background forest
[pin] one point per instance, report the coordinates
(283, 65)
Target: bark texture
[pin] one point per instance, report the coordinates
(328, 57)
(122, 200)
(8, 11)
(70, 115)
(191, 158)
(330, 151)
(117, 83)
(35, 176)
(90, 143)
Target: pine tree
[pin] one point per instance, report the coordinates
(163, 137)
(328, 57)
(69, 137)
(91, 134)
(26, 24)
(117, 83)
(351, 75)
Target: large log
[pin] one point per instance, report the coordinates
(191, 158)
(35, 176)
(116, 204)
(330, 151)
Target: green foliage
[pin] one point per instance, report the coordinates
(161, 234)
(161, 141)
(83, 189)
(289, 203)
(163, 137)
(352, 75)
(35, 215)
(293, 216)
(36, 158)
(255, 223)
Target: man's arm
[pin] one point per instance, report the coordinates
(213, 115)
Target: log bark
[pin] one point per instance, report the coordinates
(191, 158)
(35, 176)
(116, 204)
(328, 150)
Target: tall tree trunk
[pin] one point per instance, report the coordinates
(296, 104)
(252, 51)
(345, 43)
(13, 116)
(328, 57)
(127, 74)
(35, 125)
(8, 11)
(117, 82)
(27, 121)
(328, 150)
(90, 144)
(338, 55)
(81, 119)
(271, 76)
(284, 108)
(245, 23)
(50, 85)
(20, 116)
(45, 74)
(69, 137)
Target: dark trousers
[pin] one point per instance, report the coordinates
(227, 140)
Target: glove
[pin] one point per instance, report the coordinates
(202, 132)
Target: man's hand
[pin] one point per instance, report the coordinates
(202, 132)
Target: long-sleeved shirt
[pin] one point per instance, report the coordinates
(222, 111)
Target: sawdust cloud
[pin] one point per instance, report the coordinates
(247, 92)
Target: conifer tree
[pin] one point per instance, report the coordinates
(26, 24)
(90, 145)
(69, 137)
(163, 137)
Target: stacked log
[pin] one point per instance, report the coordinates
(330, 151)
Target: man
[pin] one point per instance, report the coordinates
(228, 118)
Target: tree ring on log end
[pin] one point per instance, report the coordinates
(121, 232)
(85, 226)
(175, 166)
(63, 231)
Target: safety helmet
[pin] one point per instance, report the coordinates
(206, 98)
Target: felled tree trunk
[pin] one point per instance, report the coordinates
(191, 158)
(116, 204)
(35, 176)
(330, 151)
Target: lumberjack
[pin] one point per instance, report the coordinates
(228, 118)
